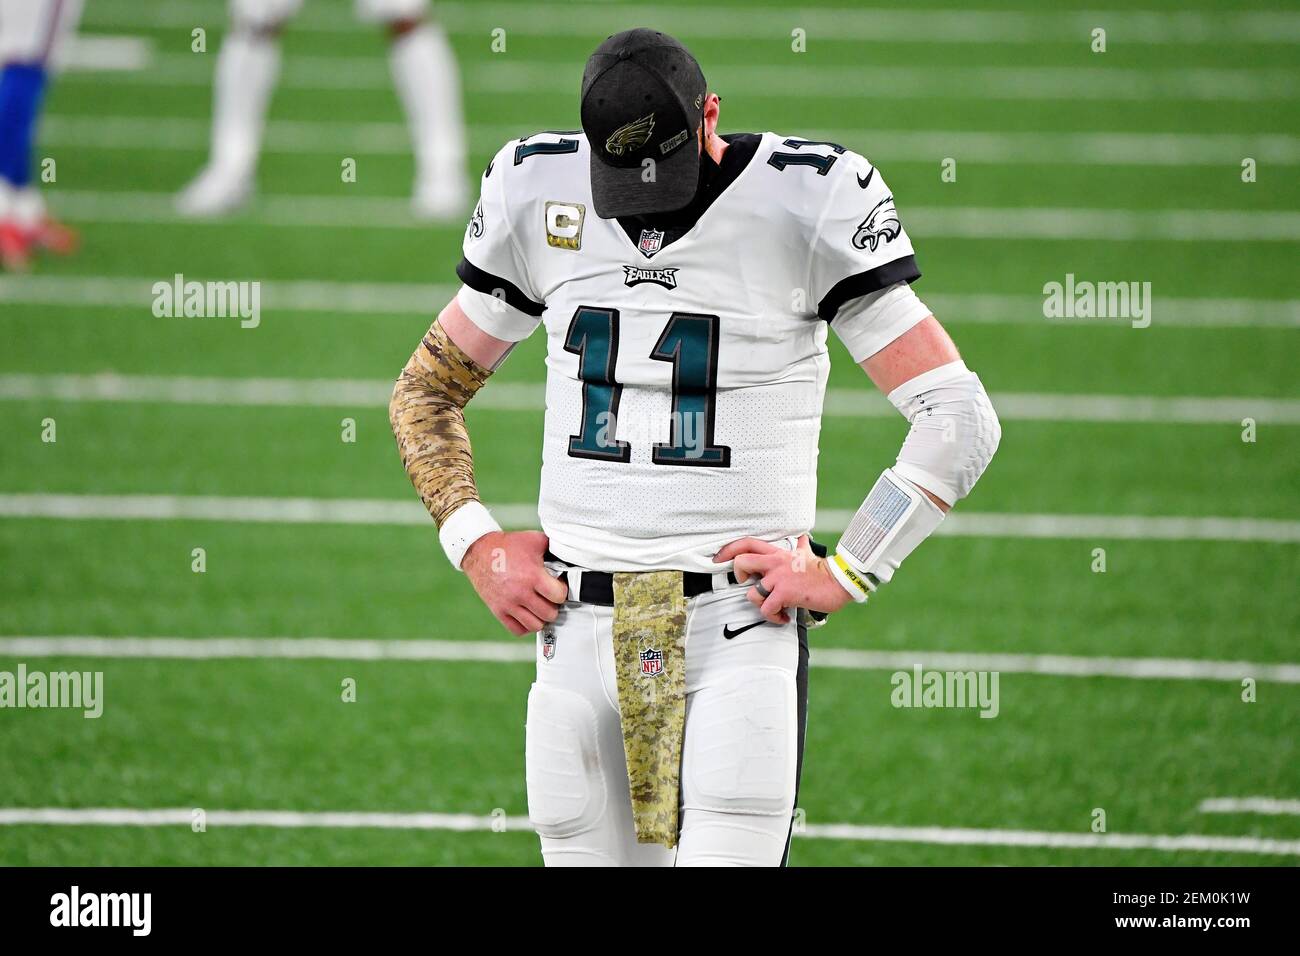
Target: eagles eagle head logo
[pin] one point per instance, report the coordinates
(881, 223)
(631, 137)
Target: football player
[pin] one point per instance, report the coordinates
(424, 72)
(31, 32)
(686, 282)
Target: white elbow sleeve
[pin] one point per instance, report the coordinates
(954, 430)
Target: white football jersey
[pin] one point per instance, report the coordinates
(685, 379)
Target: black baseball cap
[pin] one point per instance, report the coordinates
(642, 98)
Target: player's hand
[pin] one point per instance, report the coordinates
(795, 578)
(506, 570)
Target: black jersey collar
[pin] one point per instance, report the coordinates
(714, 179)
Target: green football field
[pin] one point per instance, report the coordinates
(1128, 565)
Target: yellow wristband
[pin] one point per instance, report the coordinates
(846, 573)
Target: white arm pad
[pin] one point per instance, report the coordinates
(895, 518)
(953, 436)
(954, 431)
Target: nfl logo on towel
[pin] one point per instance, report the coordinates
(548, 644)
(651, 241)
(652, 662)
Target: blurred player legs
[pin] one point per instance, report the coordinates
(30, 32)
(424, 73)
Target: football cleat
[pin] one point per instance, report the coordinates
(441, 200)
(50, 235)
(214, 192)
(15, 248)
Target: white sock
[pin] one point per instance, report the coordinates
(247, 69)
(424, 72)
(27, 207)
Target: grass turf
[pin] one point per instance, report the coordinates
(272, 734)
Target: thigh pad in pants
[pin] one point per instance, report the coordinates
(566, 790)
(741, 744)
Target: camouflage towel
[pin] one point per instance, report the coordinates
(650, 661)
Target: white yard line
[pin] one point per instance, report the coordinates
(124, 817)
(180, 390)
(257, 510)
(796, 78)
(807, 81)
(517, 396)
(372, 511)
(1095, 527)
(961, 836)
(1026, 406)
(1084, 148)
(515, 652)
(880, 146)
(1107, 225)
(1138, 408)
(92, 52)
(1168, 311)
(253, 648)
(319, 212)
(1268, 806)
(287, 295)
(399, 298)
(463, 822)
(823, 24)
(1059, 665)
(940, 222)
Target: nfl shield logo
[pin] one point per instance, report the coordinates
(651, 241)
(652, 662)
(548, 644)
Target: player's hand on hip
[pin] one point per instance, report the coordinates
(784, 579)
(506, 570)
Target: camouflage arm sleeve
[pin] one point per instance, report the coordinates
(426, 413)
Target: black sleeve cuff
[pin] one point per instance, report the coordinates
(864, 283)
(488, 284)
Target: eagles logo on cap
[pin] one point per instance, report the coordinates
(646, 74)
(631, 137)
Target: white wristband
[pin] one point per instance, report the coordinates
(857, 585)
(466, 525)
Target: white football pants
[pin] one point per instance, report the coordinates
(33, 31)
(741, 757)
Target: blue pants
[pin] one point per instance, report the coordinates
(22, 86)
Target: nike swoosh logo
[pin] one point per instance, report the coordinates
(864, 183)
(729, 632)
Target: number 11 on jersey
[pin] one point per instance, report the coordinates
(690, 342)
